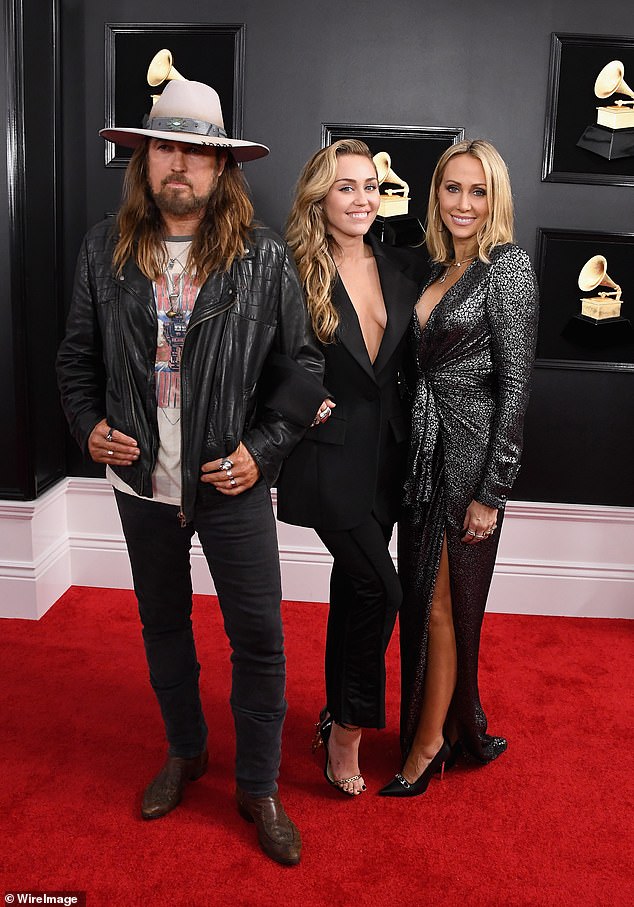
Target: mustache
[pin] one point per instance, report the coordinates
(172, 179)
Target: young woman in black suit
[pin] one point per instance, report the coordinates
(345, 477)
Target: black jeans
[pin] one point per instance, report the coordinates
(365, 596)
(239, 539)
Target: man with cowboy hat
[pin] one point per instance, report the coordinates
(184, 316)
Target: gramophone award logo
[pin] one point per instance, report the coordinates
(613, 135)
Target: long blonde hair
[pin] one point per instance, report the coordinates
(219, 240)
(307, 237)
(499, 223)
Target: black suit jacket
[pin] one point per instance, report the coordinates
(353, 464)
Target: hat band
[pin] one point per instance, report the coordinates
(185, 124)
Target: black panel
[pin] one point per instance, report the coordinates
(42, 297)
(579, 439)
(36, 434)
(16, 479)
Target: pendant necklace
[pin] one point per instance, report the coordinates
(174, 293)
(455, 264)
(175, 282)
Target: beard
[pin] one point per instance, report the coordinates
(177, 202)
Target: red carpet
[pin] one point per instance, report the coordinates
(550, 823)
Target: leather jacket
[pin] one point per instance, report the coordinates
(254, 310)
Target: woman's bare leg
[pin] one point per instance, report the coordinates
(343, 749)
(440, 677)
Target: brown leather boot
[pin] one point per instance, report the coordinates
(166, 790)
(279, 837)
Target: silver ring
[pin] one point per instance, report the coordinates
(471, 533)
(109, 435)
(229, 474)
(232, 482)
(226, 464)
(324, 413)
(110, 453)
(476, 536)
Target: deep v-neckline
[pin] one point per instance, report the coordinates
(423, 327)
(358, 320)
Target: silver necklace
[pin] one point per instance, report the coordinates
(455, 264)
(175, 282)
(174, 293)
(171, 262)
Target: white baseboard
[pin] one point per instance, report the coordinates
(34, 558)
(557, 559)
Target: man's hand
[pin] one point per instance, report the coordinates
(233, 474)
(107, 445)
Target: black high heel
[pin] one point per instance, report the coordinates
(455, 753)
(323, 729)
(318, 739)
(399, 787)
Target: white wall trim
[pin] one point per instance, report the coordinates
(34, 560)
(559, 559)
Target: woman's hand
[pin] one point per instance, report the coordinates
(324, 411)
(479, 523)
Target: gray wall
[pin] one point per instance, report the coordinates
(482, 66)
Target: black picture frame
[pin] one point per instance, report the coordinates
(414, 151)
(575, 62)
(210, 53)
(565, 339)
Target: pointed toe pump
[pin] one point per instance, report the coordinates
(399, 787)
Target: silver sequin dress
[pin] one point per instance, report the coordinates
(473, 367)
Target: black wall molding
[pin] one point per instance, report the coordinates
(33, 435)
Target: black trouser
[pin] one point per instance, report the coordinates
(365, 595)
(239, 539)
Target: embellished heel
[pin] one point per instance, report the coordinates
(322, 738)
(317, 737)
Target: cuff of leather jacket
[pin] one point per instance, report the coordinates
(297, 400)
(83, 428)
(291, 390)
(268, 470)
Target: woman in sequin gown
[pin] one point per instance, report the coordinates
(472, 342)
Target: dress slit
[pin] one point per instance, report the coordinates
(473, 362)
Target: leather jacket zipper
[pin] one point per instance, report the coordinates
(181, 515)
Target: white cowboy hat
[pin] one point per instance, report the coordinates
(187, 112)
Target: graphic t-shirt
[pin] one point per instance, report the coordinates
(174, 294)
